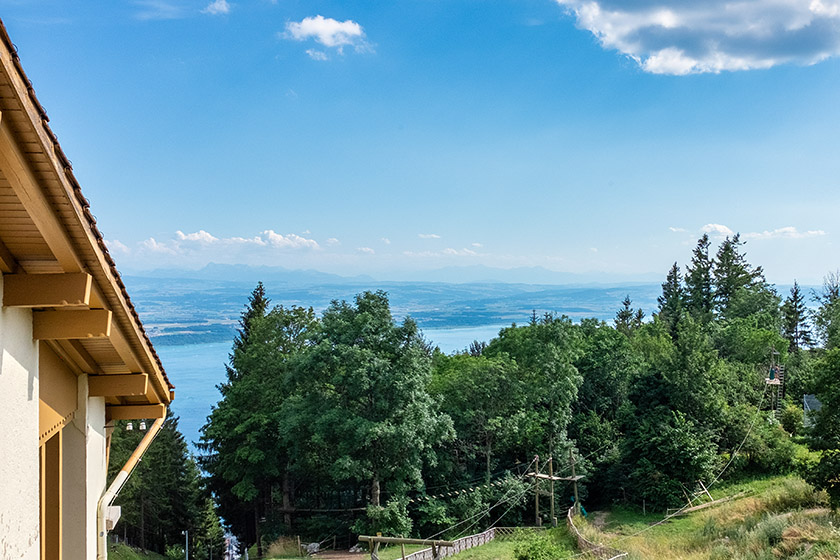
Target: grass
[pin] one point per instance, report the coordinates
(123, 552)
(780, 518)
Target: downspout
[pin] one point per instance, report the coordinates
(111, 493)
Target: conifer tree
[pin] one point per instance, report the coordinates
(732, 273)
(257, 307)
(827, 315)
(628, 319)
(794, 320)
(699, 297)
(671, 300)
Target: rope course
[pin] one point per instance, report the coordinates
(716, 479)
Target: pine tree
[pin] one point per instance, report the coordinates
(732, 273)
(257, 307)
(671, 300)
(699, 297)
(827, 315)
(794, 320)
(624, 316)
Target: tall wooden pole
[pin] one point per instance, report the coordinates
(551, 474)
(572, 461)
(537, 492)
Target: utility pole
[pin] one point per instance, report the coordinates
(551, 474)
(187, 544)
(537, 521)
(574, 477)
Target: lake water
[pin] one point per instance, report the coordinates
(196, 370)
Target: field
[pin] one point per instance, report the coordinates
(778, 518)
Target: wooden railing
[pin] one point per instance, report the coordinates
(459, 546)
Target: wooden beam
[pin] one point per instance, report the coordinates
(46, 290)
(16, 169)
(7, 260)
(64, 325)
(131, 385)
(135, 411)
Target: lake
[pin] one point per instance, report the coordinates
(196, 370)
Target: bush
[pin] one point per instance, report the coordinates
(792, 419)
(536, 547)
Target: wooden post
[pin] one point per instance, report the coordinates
(402, 549)
(706, 491)
(572, 461)
(333, 542)
(537, 492)
(551, 474)
(644, 509)
(300, 550)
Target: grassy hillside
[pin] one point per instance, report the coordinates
(123, 552)
(779, 518)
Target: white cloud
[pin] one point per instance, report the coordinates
(386, 241)
(678, 37)
(593, 249)
(217, 7)
(158, 9)
(289, 241)
(315, 54)
(477, 245)
(366, 250)
(428, 236)
(333, 241)
(153, 246)
(677, 229)
(199, 236)
(330, 33)
(788, 232)
(116, 246)
(717, 230)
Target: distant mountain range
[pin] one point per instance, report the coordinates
(183, 307)
(452, 275)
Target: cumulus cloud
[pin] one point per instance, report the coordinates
(428, 236)
(717, 230)
(328, 32)
(184, 243)
(333, 241)
(200, 236)
(366, 250)
(116, 246)
(477, 245)
(290, 241)
(678, 37)
(217, 7)
(386, 241)
(677, 229)
(788, 232)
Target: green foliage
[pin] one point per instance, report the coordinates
(699, 293)
(791, 418)
(164, 494)
(536, 546)
(671, 302)
(391, 520)
(795, 320)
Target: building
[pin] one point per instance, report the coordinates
(73, 353)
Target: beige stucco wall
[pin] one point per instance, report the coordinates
(19, 466)
(85, 472)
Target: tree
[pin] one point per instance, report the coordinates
(795, 320)
(244, 452)
(826, 431)
(627, 319)
(671, 301)
(164, 495)
(827, 315)
(699, 297)
(360, 403)
(732, 273)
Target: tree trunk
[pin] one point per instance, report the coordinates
(374, 491)
(287, 501)
(487, 454)
(142, 524)
(257, 530)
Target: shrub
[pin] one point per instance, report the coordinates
(536, 547)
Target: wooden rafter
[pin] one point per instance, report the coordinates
(135, 384)
(65, 325)
(26, 187)
(136, 411)
(46, 290)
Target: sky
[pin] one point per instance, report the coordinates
(385, 137)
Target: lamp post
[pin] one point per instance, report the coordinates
(186, 534)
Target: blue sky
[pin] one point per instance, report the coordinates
(385, 137)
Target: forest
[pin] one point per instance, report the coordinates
(350, 423)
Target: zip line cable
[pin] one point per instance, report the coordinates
(682, 509)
